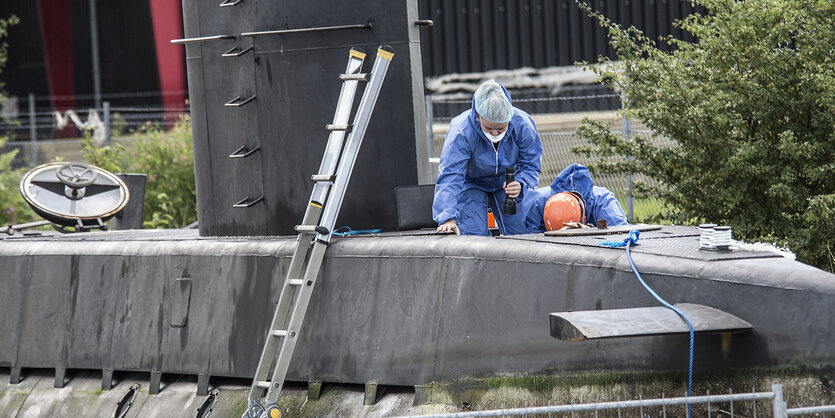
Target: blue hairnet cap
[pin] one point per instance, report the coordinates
(491, 102)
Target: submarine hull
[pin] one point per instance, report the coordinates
(394, 309)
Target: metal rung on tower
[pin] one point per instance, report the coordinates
(317, 177)
(335, 127)
(325, 201)
(358, 77)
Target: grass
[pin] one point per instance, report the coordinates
(646, 209)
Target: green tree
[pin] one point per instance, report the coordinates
(750, 109)
(5, 24)
(13, 208)
(167, 158)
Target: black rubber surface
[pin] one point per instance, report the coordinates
(672, 241)
(181, 235)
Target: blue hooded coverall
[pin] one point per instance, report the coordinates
(472, 172)
(600, 202)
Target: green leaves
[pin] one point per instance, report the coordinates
(5, 24)
(167, 158)
(13, 209)
(749, 108)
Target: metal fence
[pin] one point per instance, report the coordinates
(659, 407)
(31, 154)
(41, 152)
(32, 118)
(31, 126)
(534, 100)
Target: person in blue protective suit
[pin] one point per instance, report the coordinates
(480, 145)
(600, 203)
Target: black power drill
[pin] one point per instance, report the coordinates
(509, 203)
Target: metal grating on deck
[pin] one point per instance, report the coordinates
(671, 241)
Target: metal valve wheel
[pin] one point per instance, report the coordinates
(74, 195)
(76, 175)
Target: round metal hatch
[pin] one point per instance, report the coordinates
(74, 194)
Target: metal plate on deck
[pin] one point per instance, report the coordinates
(622, 229)
(412, 233)
(642, 322)
(672, 241)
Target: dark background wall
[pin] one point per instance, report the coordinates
(468, 36)
(25, 71)
(126, 48)
(481, 35)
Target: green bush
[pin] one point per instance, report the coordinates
(750, 107)
(13, 209)
(167, 158)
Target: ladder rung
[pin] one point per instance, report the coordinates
(306, 229)
(320, 214)
(332, 127)
(357, 77)
(323, 177)
(312, 229)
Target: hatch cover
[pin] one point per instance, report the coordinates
(74, 195)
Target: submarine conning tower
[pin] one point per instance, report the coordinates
(263, 82)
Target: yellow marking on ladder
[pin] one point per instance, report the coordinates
(382, 53)
(357, 54)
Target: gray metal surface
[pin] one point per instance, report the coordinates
(395, 310)
(231, 180)
(637, 322)
(131, 216)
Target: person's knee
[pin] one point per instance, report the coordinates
(472, 224)
(472, 213)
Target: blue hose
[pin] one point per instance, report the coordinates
(346, 230)
(631, 240)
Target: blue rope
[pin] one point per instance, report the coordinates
(346, 230)
(631, 240)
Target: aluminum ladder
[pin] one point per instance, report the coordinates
(319, 219)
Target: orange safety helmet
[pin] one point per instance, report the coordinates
(564, 207)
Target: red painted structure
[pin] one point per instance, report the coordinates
(54, 19)
(168, 25)
(55, 24)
